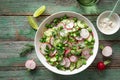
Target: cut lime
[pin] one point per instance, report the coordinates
(39, 11)
(32, 22)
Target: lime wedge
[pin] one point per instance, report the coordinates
(32, 22)
(39, 11)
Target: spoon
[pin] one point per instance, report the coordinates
(109, 16)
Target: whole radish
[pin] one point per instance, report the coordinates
(102, 65)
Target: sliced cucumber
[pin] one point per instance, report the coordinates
(89, 29)
(81, 25)
(56, 42)
(53, 59)
(84, 61)
(48, 32)
(90, 38)
(79, 63)
(72, 66)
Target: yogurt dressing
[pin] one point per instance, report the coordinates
(107, 25)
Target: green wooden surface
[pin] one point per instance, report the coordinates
(15, 32)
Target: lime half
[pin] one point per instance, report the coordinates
(32, 22)
(39, 11)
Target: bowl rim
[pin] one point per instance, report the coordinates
(99, 19)
(96, 47)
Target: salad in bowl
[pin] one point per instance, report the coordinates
(66, 43)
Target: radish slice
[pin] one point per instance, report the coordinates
(67, 62)
(85, 53)
(79, 38)
(51, 40)
(30, 64)
(43, 47)
(67, 51)
(84, 33)
(61, 24)
(63, 62)
(69, 26)
(63, 32)
(53, 54)
(73, 58)
(107, 51)
(65, 41)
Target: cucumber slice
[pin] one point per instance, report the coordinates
(90, 38)
(79, 63)
(81, 25)
(48, 32)
(84, 61)
(72, 66)
(53, 59)
(89, 29)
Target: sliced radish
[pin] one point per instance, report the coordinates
(52, 40)
(79, 38)
(107, 51)
(43, 47)
(61, 24)
(63, 32)
(84, 33)
(73, 58)
(67, 62)
(67, 51)
(53, 54)
(86, 53)
(65, 41)
(69, 26)
(63, 62)
(30, 64)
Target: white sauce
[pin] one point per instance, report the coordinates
(107, 25)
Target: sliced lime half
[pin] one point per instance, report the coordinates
(32, 22)
(39, 11)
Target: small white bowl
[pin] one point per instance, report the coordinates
(39, 34)
(115, 17)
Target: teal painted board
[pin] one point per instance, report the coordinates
(27, 7)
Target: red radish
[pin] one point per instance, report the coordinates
(65, 41)
(102, 65)
(67, 62)
(86, 53)
(43, 47)
(73, 58)
(51, 40)
(69, 26)
(67, 51)
(61, 24)
(79, 38)
(107, 51)
(84, 33)
(30, 64)
(63, 62)
(63, 32)
(53, 54)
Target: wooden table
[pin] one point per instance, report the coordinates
(15, 32)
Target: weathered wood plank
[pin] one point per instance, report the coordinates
(44, 74)
(9, 52)
(27, 7)
(17, 28)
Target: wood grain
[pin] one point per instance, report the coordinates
(9, 52)
(44, 74)
(27, 7)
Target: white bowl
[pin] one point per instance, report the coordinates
(39, 34)
(114, 17)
